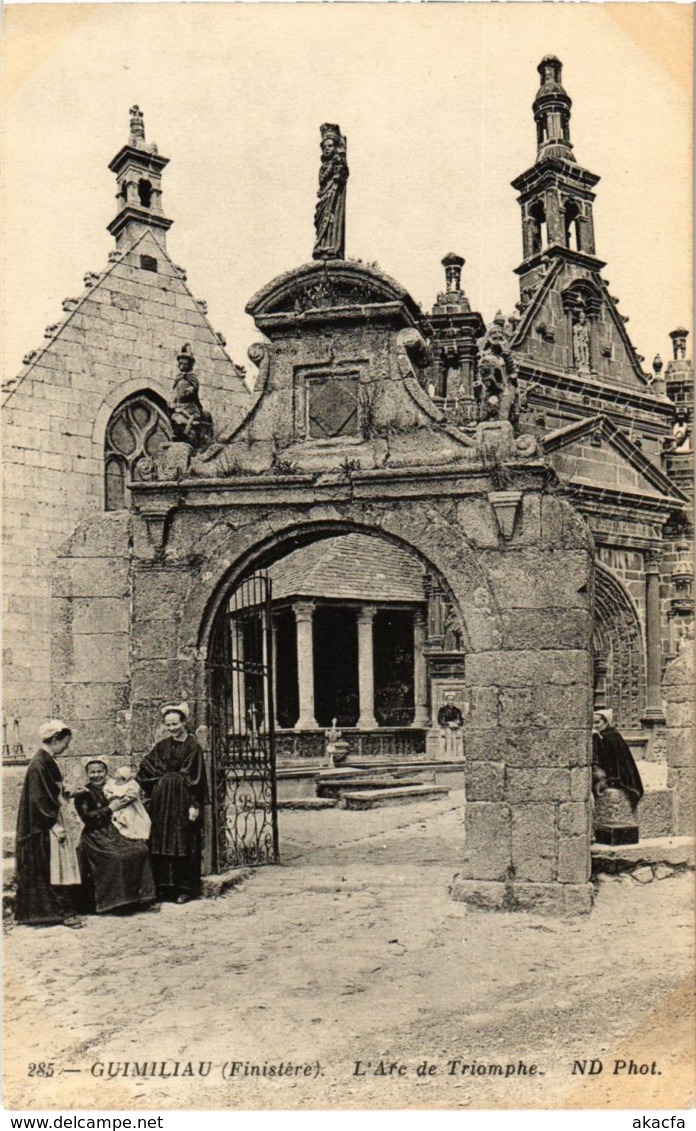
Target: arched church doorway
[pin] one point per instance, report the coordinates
(349, 631)
(619, 657)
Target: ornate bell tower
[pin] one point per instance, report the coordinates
(556, 193)
(138, 168)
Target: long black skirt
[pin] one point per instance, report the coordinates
(117, 870)
(39, 902)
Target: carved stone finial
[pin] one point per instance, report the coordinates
(137, 124)
(330, 210)
(453, 264)
(679, 337)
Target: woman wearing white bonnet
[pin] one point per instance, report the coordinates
(173, 777)
(117, 871)
(613, 766)
(46, 864)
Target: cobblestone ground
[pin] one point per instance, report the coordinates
(353, 951)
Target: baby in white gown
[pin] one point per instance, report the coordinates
(132, 820)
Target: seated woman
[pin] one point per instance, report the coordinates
(116, 869)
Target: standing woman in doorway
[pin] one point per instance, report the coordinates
(172, 777)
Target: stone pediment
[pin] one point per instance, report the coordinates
(544, 336)
(330, 285)
(596, 454)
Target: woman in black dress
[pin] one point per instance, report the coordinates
(172, 777)
(117, 871)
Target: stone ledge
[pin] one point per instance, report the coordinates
(308, 803)
(214, 886)
(539, 898)
(677, 851)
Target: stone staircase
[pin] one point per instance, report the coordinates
(359, 787)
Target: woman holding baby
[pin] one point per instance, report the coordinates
(115, 864)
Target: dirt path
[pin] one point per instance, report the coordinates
(337, 958)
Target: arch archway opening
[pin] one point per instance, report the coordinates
(358, 635)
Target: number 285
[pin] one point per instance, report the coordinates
(43, 1068)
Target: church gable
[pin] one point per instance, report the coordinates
(571, 323)
(124, 331)
(596, 453)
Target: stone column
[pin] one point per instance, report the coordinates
(653, 646)
(366, 674)
(265, 674)
(274, 666)
(304, 613)
(420, 675)
(239, 720)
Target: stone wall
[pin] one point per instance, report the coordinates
(119, 337)
(679, 694)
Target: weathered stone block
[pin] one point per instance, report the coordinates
(542, 628)
(101, 615)
(159, 594)
(545, 706)
(483, 708)
(534, 841)
(76, 702)
(682, 782)
(663, 871)
(574, 859)
(574, 818)
(537, 784)
(485, 896)
(155, 682)
(487, 844)
(525, 668)
(533, 580)
(643, 875)
(91, 577)
(680, 714)
(654, 813)
(551, 533)
(552, 898)
(530, 747)
(679, 747)
(100, 659)
(580, 783)
(485, 781)
(153, 639)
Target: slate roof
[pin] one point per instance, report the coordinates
(350, 567)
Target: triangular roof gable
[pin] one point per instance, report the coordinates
(146, 243)
(644, 477)
(542, 310)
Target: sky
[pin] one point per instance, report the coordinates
(435, 101)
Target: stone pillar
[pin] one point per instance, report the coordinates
(304, 613)
(267, 697)
(274, 667)
(366, 674)
(679, 692)
(420, 674)
(239, 720)
(653, 704)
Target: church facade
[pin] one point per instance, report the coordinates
(401, 510)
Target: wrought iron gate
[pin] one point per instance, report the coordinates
(240, 690)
